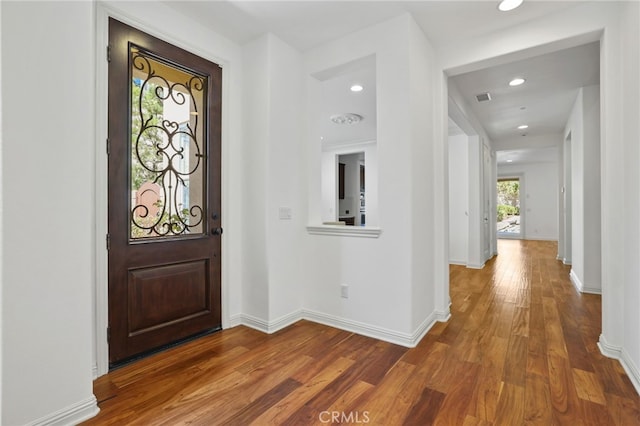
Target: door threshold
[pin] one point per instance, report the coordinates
(134, 358)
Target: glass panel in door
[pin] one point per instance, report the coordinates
(167, 167)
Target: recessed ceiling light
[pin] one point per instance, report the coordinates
(524, 126)
(507, 5)
(356, 88)
(517, 81)
(509, 161)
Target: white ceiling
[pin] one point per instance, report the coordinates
(524, 156)
(547, 96)
(337, 98)
(552, 80)
(307, 24)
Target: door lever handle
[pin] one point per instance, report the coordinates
(216, 231)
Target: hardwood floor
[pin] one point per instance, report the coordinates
(520, 348)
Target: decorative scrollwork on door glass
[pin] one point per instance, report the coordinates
(167, 157)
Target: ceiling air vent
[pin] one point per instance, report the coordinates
(483, 97)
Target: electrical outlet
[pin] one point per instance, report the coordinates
(344, 291)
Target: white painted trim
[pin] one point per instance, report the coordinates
(253, 322)
(457, 262)
(103, 12)
(632, 370)
(285, 321)
(618, 352)
(475, 265)
(345, 231)
(348, 146)
(71, 415)
(101, 294)
(234, 321)
(580, 286)
(541, 238)
(509, 236)
(268, 327)
(575, 280)
(403, 339)
(566, 261)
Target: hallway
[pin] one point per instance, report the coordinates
(520, 348)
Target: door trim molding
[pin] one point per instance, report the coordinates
(100, 294)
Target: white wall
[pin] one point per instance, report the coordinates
(254, 206)
(592, 186)
(425, 291)
(286, 182)
(538, 198)
(583, 135)
(274, 180)
(567, 246)
(458, 199)
(387, 274)
(358, 262)
(1, 225)
(630, 297)
(48, 221)
(575, 128)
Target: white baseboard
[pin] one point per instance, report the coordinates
(380, 333)
(468, 265)
(94, 371)
(541, 238)
(475, 265)
(71, 415)
(234, 321)
(580, 286)
(566, 261)
(265, 326)
(402, 339)
(619, 353)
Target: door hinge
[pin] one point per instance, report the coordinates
(108, 241)
(108, 53)
(108, 146)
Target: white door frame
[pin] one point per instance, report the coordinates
(100, 295)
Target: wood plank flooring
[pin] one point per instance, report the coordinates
(519, 349)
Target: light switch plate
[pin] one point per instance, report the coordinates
(284, 213)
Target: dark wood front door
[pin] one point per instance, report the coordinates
(164, 193)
